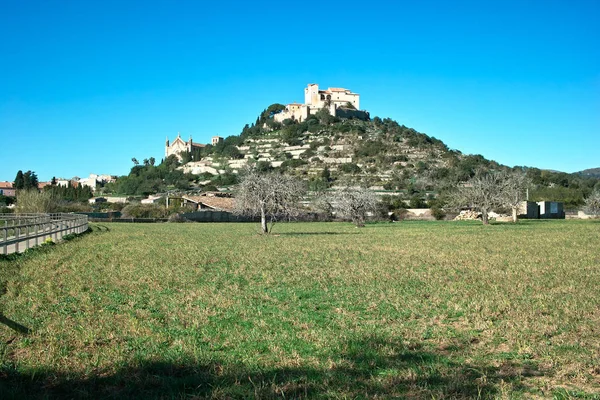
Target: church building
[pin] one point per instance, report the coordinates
(179, 146)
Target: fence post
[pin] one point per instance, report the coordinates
(26, 237)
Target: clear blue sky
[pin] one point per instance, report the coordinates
(87, 85)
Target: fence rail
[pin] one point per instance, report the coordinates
(19, 232)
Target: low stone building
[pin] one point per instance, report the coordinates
(551, 209)
(541, 210)
(210, 201)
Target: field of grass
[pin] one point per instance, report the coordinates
(318, 310)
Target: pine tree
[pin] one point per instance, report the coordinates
(30, 180)
(19, 180)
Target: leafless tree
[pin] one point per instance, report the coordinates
(271, 196)
(355, 204)
(514, 190)
(482, 193)
(592, 203)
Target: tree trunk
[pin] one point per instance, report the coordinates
(514, 214)
(484, 217)
(263, 221)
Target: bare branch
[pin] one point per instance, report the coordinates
(271, 196)
(355, 204)
(592, 203)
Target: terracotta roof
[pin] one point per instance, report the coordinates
(6, 185)
(198, 145)
(333, 89)
(217, 203)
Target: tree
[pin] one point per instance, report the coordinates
(30, 180)
(355, 204)
(324, 116)
(592, 203)
(19, 181)
(271, 196)
(482, 193)
(514, 191)
(32, 201)
(135, 161)
(152, 161)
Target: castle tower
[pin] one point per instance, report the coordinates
(311, 94)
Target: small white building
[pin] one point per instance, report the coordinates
(151, 200)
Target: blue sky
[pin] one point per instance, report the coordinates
(87, 85)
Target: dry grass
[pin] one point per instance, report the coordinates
(419, 310)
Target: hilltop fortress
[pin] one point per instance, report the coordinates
(339, 101)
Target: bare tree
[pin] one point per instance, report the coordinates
(592, 203)
(271, 196)
(355, 204)
(483, 193)
(514, 190)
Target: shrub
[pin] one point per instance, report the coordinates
(138, 210)
(417, 202)
(293, 163)
(263, 166)
(350, 168)
(210, 188)
(32, 201)
(177, 218)
(438, 213)
(67, 207)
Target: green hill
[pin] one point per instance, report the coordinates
(331, 152)
(379, 153)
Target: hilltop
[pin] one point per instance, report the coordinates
(595, 172)
(377, 153)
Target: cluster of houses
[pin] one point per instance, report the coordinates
(93, 181)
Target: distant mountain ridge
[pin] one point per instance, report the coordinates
(595, 172)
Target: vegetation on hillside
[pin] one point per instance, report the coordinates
(147, 179)
(383, 153)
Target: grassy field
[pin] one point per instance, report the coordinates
(318, 310)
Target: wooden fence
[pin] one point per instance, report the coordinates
(19, 232)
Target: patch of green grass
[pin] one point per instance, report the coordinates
(318, 310)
